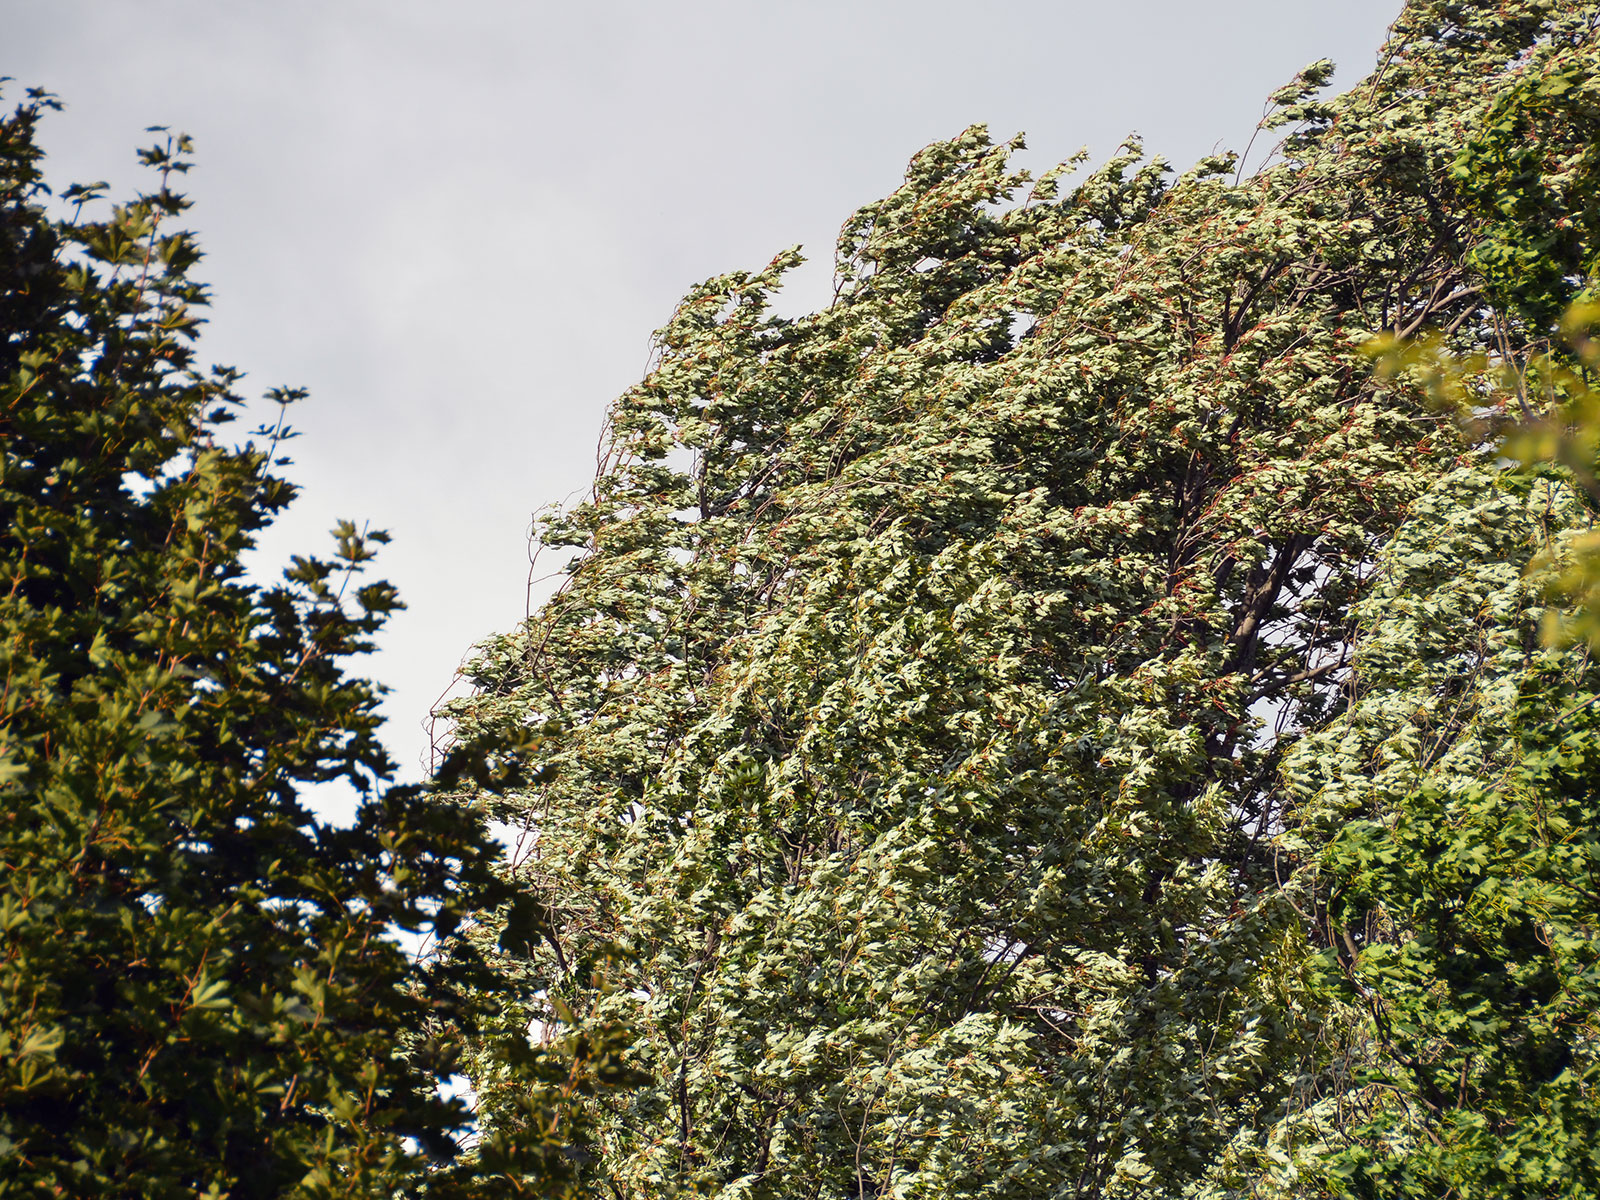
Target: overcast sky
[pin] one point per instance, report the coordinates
(458, 224)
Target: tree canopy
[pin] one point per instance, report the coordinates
(960, 689)
(1103, 708)
(199, 990)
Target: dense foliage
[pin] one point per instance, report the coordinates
(199, 993)
(1055, 722)
(1456, 795)
(1456, 806)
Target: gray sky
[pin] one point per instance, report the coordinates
(458, 224)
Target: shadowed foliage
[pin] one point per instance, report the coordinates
(200, 993)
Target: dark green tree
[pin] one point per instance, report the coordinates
(199, 990)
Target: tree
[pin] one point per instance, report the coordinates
(1454, 801)
(1450, 817)
(927, 664)
(199, 993)
(1530, 169)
